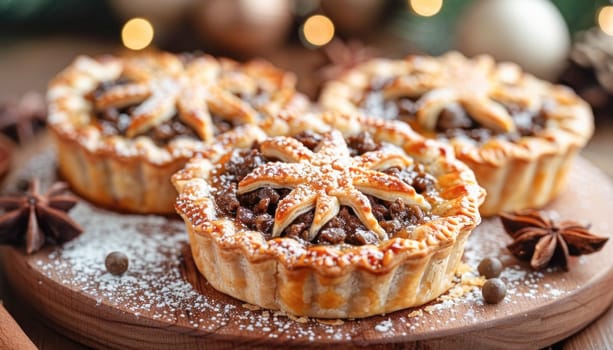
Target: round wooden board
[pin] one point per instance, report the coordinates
(162, 302)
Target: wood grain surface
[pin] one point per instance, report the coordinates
(11, 335)
(599, 335)
(543, 308)
(45, 56)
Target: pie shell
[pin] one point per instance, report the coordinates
(334, 281)
(130, 175)
(528, 173)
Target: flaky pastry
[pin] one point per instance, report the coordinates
(518, 133)
(124, 125)
(330, 225)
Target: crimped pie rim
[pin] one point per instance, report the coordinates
(197, 208)
(570, 133)
(64, 99)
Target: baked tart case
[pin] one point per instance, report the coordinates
(517, 133)
(124, 125)
(329, 225)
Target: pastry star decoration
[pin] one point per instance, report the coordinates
(163, 89)
(474, 84)
(328, 178)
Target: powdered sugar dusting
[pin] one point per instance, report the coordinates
(148, 242)
(384, 326)
(154, 287)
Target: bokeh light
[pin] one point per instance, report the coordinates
(426, 8)
(605, 19)
(137, 34)
(318, 30)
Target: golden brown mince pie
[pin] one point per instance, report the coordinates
(124, 125)
(323, 225)
(518, 133)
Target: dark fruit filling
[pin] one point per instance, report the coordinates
(115, 121)
(256, 210)
(453, 120)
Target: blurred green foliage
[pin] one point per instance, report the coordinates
(23, 17)
(431, 34)
(434, 35)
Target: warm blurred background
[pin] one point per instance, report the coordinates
(559, 40)
(569, 41)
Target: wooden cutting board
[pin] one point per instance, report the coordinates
(162, 302)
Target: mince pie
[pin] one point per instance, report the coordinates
(326, 225)
(124, 125)
(518, 133)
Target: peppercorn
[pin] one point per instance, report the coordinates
(116, 263)
(493, 291)
(490, 267)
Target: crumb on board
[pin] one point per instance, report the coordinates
(79, 265)
(330, 322)
(251, 307)
(416, 313)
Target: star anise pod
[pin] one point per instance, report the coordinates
(343, 56)
(543, 241)
(20, 118)
(6, 155)
(38, 217)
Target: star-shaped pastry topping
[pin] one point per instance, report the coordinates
(167, 87)
(478, 85)
(38, 217)
(545, 242)
(328, 177)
